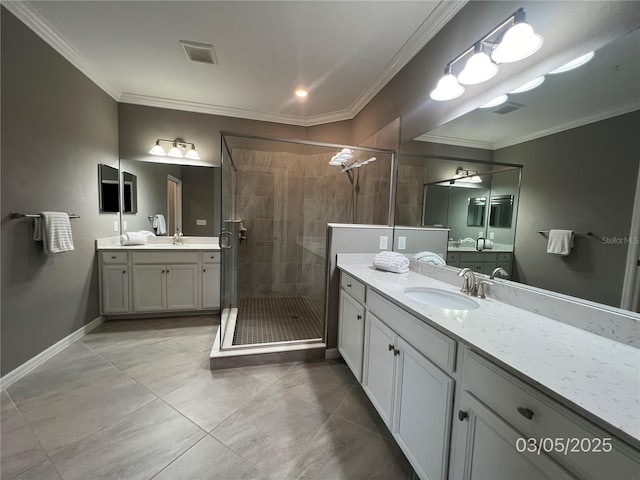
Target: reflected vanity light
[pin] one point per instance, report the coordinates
(467, 176)
(575, 63)
(495, 102)
(530, 85)
(179, 149)
(514, 40)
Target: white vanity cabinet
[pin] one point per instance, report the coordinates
(114, 277)
(351, 323)
(210, 280)
(412, 394)
(502, 417)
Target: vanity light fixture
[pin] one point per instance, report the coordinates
(467, 176)
(514, 40)
(179, 149)
(575, 63)
(530, 85)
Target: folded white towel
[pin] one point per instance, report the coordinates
(391, 262)
(430, 257)
(133, 238)
(147, 233)
(560, 242)
(159, 224)
(53, 229)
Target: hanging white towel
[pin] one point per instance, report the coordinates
(430, 257)
(133, 238)
(159, 224)
(53, 229)
(560, 242)
(391, 262)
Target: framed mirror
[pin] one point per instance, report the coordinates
(108, 189)
(501, 212)
(129, 193)
(476, 211)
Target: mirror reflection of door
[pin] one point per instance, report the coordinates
(174, 207)
(476, 212)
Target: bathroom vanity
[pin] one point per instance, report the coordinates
(494, 391)
(158, 278)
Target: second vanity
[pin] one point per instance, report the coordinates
(158, 277)
(492, 392)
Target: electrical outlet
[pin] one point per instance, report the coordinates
(124, 225)
(492, 235)
(201, 222)
(115, 225)
(402, 243)
(383, 242)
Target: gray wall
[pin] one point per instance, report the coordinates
(582, 179)
(57, 126)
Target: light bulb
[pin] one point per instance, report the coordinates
(175, 152)
(518, 42)
(192, 154)
(495, 102)
(158, 150)
(575, 63)
(448, 88)
(479, 68)
(530, 85)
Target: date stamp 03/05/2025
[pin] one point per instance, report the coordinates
(563, 445)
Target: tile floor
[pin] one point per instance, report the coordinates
(136, 400)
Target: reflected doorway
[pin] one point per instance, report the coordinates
(174, 205)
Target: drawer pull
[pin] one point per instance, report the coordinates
(462, 415)
(162, 271)
(349, 285)
(124, 272)
(167, 271)
(204, 269)
(526, 413)
(391, 347)
(359, 317)
(114, 257)
(396, 352)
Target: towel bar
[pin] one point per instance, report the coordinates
(36, 215)
(588, 234)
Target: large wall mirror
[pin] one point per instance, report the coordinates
(185, 195)
(576, 138)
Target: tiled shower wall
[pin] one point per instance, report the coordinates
(285, 201)
(409, 199)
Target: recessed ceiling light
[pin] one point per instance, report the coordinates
(301, 93)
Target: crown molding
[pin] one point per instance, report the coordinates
(612, 112)
(38, 24)
(460, 142)
(431, 25)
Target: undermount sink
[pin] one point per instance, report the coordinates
(441, 298)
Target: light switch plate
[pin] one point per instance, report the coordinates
(115, 225)
(124, 225)
(200, 221)
(383, 242)
(492, 235)
(402, 243)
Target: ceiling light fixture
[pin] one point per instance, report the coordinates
(575, 63)
(530, 85)
(301, 93)
(178, 149)
(514, 40)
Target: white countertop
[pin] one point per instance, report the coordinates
(162, 247)
(598, 375)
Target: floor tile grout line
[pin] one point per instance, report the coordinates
(177, 457)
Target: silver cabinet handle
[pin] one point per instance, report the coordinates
(526, 413)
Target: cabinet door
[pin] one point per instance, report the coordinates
(489, 448)
(182, 287)
(351, 333)
(211, 285)
(423, 405)
(149, 287)
(115, 289)
(379, 366)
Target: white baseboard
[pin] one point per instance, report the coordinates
(331, 353)
(35, 362)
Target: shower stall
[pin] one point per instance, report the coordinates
(278, 195)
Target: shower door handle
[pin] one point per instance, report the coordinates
(224, 239)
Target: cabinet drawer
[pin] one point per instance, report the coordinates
(113, 257)
(355, 288)
(504, 256)
(453, 257)
(210, 257)
(471, 257)
(164, 257)
(431, 343)
(490, 257)
(511, 399)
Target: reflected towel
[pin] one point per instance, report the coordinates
(391, 262)
(560, 242)
(53, 229)
(133, 238)
(431, 258)
(159, 224)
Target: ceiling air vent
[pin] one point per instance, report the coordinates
(506, 108)
(199, 52)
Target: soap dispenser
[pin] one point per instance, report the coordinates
(480, 242)
(176, 237)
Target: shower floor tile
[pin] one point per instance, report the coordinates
(278, 319)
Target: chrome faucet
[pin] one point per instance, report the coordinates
(469, 283)
(499, 271)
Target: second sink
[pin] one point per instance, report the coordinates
(441, 298)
